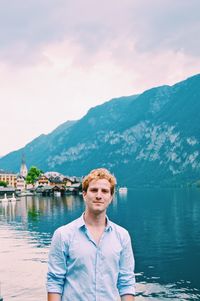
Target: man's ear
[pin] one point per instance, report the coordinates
(84, 194)
(112, 197)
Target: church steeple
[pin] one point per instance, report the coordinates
(23, 168)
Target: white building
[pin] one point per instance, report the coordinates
(20, 183)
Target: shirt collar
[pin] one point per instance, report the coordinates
(81, 223)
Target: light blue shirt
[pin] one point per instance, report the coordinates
(81, 270)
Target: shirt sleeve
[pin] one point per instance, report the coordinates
(56, 264)
(126, 277)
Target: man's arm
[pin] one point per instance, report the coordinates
(126, 298)
(126, 276)
(56, 267)
(54, 297)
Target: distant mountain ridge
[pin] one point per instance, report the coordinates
(148, 139)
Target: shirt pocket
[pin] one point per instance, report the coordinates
(74, 249)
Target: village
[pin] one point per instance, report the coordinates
(46, 184)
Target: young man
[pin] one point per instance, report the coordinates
(91, 258)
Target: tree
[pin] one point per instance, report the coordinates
(4, 184)
(33, 175)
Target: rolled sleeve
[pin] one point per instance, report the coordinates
(126, 277)
(56, 265)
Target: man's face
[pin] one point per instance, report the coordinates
(98, 196)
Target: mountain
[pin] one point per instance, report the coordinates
(37, 150)
(148, 139)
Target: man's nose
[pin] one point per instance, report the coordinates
(98, 195)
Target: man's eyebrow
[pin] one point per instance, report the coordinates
(101, 188)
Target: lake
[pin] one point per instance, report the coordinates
(164, 225)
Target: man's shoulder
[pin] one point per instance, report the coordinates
(121, 231)
(67, 229)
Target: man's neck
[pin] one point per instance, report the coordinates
(95, 220)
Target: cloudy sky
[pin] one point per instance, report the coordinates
(58, 58)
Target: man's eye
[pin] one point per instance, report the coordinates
(93, 190)
(105, 190)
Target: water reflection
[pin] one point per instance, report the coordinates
(164, 226)
(22, 266)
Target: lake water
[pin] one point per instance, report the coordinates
(164, 226)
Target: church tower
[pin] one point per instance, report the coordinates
(23, 168)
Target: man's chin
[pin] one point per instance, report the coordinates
(99, 210)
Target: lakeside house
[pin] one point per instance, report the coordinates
(53, 179)
(20, 183)
(56, 183)
(9, 177)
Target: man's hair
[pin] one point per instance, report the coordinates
(99, 173)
